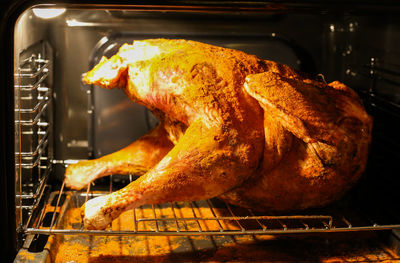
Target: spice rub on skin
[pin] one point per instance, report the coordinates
(250, 131)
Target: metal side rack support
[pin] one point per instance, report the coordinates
(33, 128)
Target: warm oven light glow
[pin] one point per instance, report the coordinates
(48, 12)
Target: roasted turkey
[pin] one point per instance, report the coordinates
(253, 132)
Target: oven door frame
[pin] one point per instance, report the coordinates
(12, 9)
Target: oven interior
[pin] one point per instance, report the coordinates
(59, 120)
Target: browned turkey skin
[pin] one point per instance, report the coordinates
(250, 131)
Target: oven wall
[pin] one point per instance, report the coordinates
(90, 122)
(28, 30)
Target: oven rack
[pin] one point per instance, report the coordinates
(33, 111)
(206, 217)
(380, 75)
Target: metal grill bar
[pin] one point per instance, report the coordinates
(195, 217)
(257, 220)
(28, 69)
(61, 231)
(135, 226)
(234, 217)
(213, 213)
(34, 121)
(38, 188)
(347, 222)
(306, 226)
(56, 207)
(30, 162)
(155, 218)
(31, 87)
(176, 219)
(42, 100)
(41, 145)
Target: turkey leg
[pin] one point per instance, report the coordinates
(137, 158)
(202, 165)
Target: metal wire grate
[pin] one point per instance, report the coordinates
(206, 217)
